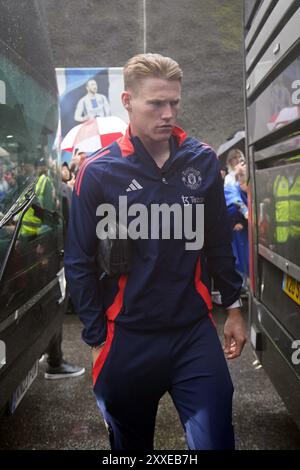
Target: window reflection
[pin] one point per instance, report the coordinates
(278, 105)
(28, 126)
(279, 210)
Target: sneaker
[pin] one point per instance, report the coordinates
(63, 371)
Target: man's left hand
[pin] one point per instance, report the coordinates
(234, 334)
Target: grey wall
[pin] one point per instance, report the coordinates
(205, 37)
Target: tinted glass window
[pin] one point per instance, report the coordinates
(278, 105)
(28, 130)
(278, 209)
(22, 29)
(28, 119)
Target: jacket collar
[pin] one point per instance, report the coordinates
(126, 142)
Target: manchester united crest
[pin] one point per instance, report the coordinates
(192, 178)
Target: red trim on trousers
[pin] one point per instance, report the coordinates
(201, 287)
(111, 313)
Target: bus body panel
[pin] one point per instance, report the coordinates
(272, 100)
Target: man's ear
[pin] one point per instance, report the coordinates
(126, 100)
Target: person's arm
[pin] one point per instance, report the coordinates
(79, 114)
(80, 257)
(221, 262)
(235, 335)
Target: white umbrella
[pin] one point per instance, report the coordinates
(94, 134)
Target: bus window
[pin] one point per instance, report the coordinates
(32, 298)
(27, 128)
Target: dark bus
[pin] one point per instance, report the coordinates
(272, 98)
(32, 290)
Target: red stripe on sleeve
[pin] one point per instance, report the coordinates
(201, 287)
(83, 168)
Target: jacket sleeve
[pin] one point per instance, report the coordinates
(80, 257)
(217, 240)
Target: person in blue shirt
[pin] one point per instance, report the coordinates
(151, 329)
(237, 209)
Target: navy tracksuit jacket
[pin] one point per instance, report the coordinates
(156, 317)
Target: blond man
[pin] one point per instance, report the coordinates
(151, 329)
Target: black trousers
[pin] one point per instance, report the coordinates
(54, 351)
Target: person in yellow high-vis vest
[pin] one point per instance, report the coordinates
(294, 210)
(31, 223)
(281, 201)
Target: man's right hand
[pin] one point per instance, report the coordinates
(238, 227)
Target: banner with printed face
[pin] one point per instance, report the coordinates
(92, 114)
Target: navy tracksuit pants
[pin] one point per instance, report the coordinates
(136, 368)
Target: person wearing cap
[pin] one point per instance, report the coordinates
(57, 366)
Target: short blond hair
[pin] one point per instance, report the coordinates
(150, 65)
(234, 154)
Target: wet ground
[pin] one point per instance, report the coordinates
(62, 414)
(206, 38)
